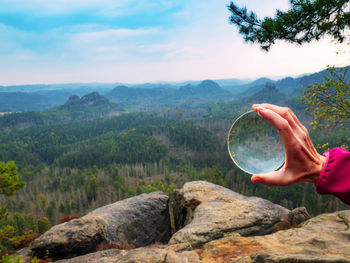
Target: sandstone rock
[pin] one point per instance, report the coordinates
(263, 257)
(213, 224)
(325, 238)
(106, 256)
(179, 247)
(140, 220)
(144, 255)
(298, 216)
(75, 237)
(182, 257)
(204, 212)
(24, 254)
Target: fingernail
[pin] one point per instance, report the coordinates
(255, 106)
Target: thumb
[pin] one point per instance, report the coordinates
(273, 178)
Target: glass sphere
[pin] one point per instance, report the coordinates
(254, 144)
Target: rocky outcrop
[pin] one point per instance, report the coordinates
(204, 211)
(213, 224)
(261, 257)
(105, 256)
(325, 238)
(298, 216)
(140, 221)
(144, 255)
(71, 238)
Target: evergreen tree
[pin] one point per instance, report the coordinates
(43, 224)
(9, 179)
(305, 21)
(9, 184)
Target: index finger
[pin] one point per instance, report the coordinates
(283, 111)
(282, 125)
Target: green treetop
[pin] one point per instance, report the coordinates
(305, 21)
(9, 179)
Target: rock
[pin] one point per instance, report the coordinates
(262, 257)
(144, 255)
(204, 212)
(244, 260)
(24, 254)
(182, 257)
(213, 224)
(75, 237)
(105, 256)
(298, 216)
(179, 247)
(324, 238)
(140, 221)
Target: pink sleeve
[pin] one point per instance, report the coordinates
(334, 178)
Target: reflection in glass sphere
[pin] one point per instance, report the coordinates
(254, 144)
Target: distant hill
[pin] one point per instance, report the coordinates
(22, 101)
(122, 93)
(150, 96)
(91, 100)
(206, 89)
(90, 106)
(154, 85)
(58, 86)
(248, 88)
(235, 81)
(261, 81)
(157, 98)
(288, 85)
(221, 82)
(268, 94)
(37, 100)
(295, 85)
(42, 97)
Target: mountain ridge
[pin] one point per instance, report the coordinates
(89, 106)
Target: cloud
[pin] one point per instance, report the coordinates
(42, 16)
(138, 41)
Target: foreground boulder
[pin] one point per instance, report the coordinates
(139, 221)
(204, 211)
(213, 224)
(262, 257)
(325, 238)
(142, 255)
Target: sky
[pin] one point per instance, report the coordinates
(129, 41)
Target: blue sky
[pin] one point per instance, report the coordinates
(61, 41)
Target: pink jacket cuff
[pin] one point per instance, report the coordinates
(334, 178)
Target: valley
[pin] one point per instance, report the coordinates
(97, 148)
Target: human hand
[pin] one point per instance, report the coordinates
(303, 163)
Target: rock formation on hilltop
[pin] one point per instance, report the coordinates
(93, 99)
(212, 224)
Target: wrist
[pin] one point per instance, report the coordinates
(318, 169)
